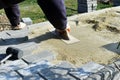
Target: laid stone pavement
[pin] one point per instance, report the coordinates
(38, 61)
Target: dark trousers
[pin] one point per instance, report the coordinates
(54, 11)
(13, 14)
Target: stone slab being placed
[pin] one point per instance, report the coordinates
(71, 41)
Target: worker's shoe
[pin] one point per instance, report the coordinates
(19, 27)
(64, 34)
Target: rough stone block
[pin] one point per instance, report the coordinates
(5, 39)
(27, 21)
(19, 35)
(86, 70)
(9, 75)
(13, 65)
(65, 64)
(36, 57)
(34, 68)
(107, 73)
(33, 77)
(58, 72)
(27, 47)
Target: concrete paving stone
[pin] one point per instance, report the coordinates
(107, 73)
(3, 35)
(94, 77)
(33, 77)
(2, 41)
(34, 68)
(58, 72)
(9, 75)
(116, 76)
(13, 65)
(19, 35)
(27, 21)
(42, 26)
(104, 75)
(67, 65)
(37, 57)
(117, 64)
(86, 70)
(27, 47)
(6, 39)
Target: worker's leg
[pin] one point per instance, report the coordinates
(55, 12)
(13, 14)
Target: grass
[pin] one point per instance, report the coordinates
(30, 8)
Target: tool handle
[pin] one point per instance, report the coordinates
(7, 57)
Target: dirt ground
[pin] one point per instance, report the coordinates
(98, 32)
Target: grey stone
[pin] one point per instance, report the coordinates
(34, 68)
(19, 35)
(94, 77)
(117, 64)
(65, 64)
(13, 65)
(9, 75)
(107, 73)
(33, 77)
(27, 47)
(37, 57)
(3, 49)
(5, 39)
(86, 70)
(58, 72)
(27, 21)
(116, 76)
